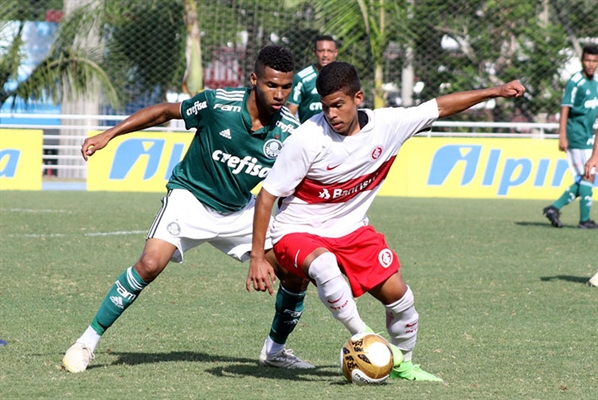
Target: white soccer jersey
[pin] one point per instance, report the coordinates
(328, 181)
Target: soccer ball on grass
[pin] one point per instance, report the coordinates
(366, 358)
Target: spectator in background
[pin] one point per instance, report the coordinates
(579, 109)
(304, 101)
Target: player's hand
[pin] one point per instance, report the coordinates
(512, 89)
(93, 144)
(260, 276)
(563, 143)
(591, 167)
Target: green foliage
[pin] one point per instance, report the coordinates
(504, 312)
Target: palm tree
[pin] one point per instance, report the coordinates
(378, 21)
(70, 68)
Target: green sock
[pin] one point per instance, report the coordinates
(289, 307)
(585, 197)
(121, 295)
(570, 194)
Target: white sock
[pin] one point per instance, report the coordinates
(335, 293)
(90, 338)
(402, 323)
(272, 347)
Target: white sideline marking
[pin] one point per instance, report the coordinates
(32, 210)
(41, 235)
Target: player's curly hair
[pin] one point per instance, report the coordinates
(338, 76)
(275, 57)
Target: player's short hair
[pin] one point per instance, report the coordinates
(338, 76)
(589, 49)
(324, 38)
(275, 57)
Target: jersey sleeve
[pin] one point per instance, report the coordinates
(193, 110)
(292, 164)
(296, 91)
(569, 94)
(406, 122)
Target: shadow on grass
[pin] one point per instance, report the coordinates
(568, 278)
(233, 366)
(543, 225)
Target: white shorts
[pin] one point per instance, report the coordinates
(186, 223)
(577, 159)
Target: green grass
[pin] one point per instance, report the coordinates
(504, 310)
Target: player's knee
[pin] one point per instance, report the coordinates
(149, 267)
(293, 283)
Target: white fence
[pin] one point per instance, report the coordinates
(62, 143)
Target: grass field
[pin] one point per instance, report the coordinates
(504, 309)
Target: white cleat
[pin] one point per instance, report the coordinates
(77, 358)
(593, 280)
(283, 359)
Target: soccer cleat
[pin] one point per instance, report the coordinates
(552, 213)
(593, 280)
(283, 359)
(589, 224)
(77, 358)
(408, 371)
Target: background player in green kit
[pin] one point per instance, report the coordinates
(239, 135)
(579, 109)
(305, 100)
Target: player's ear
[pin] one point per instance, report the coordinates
(253, 79)
(358, 98)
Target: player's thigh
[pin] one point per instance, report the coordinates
(184, 222)
(235, 233)
(291, 282)
(391, 290)
(577, 159)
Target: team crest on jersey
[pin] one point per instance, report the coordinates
(173, 228)
(377, 152)
(272, 148)
(385, 258)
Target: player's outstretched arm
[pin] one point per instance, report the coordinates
(454, 103)
(261, 274)
(145, 118)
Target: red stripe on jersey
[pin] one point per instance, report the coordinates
(312, 191)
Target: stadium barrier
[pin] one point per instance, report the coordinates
(453, 159)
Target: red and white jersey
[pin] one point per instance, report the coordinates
(328, 181)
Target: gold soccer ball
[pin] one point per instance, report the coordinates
(366, 359)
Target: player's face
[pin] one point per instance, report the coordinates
(272, 88)
(340, 111)
(325, 53)
(589, 63)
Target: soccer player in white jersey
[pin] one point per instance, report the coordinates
(327, 176)
(239, 133)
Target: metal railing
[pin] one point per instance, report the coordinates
(62, 142)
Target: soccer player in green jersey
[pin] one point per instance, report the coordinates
(239, 133)
(579, 109)
(305, 100)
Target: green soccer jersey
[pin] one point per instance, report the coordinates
(304, 93)
(226, 159)
(581, 96)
